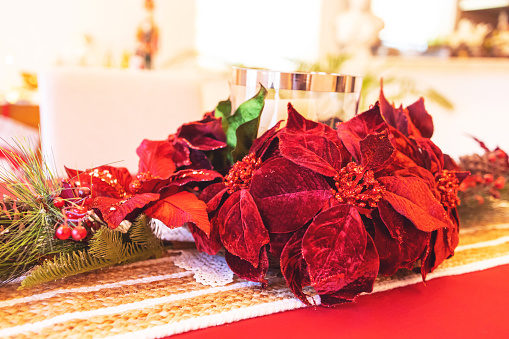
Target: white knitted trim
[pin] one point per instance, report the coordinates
(119, 309)
(145, 280)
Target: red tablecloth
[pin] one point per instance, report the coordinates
(473, 305)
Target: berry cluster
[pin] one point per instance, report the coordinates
(488, 174)
(77, 223)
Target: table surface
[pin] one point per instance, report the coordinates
(473, 305)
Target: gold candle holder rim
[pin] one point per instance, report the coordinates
(296, 81)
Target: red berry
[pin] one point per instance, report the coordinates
(499, 183)
(58, 202)
(488, 178)
(479, 199)
(492, 157)
(79, 232)
(500, 153)
(80, 210)
(63, 232)
(83, 192)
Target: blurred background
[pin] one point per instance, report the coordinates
(454, 53)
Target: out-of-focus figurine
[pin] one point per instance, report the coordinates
(468, 39)
(499, 40)
(147, 37)
(357, 28)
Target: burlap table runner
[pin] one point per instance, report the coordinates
(155, 298)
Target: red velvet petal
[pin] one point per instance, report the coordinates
(245, 270)
(297, 123)
(298, 193)
(241, 228)
(317, 152)
(204, 135)
(363, 280)
(411, 241)
(277, 242)
(113, 210)
(177, 209)
(333, 247)
(261, 144)
(412, 198)
(187, 176)
(420, 118)
(359, 127)
(294, 267)
(376, 151)
(312, 145)
(208, 244)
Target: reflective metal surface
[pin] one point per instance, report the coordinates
(314, 82)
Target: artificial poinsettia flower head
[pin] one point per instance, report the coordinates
(337, 207)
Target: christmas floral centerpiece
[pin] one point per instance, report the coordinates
(333, 207)
(337, 207)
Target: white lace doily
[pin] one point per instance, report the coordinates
(176, 234)
(211, 270)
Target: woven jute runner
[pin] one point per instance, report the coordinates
(155, 298)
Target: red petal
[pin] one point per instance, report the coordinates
(213, 195)
(317, 152)
(409, 242)
(241, 228)
(208, 244)
(180, 208)
(113, 210)
(362, 281)
(261, 144)
(156, 158)
(187, 176)
(312, 145)
(294, 267)
(334, 247)
(359, 127)
(376, 151)
(412, 198)
(103, 181)
(277, 242)
(421, 118)
(298, 193)
(204, 135)
(245, 270)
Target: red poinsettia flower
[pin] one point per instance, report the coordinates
(416, 159)
(337, 207)
(194, 138)
(157, 190)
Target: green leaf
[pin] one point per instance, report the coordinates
(223, 111)
(246, 133)
(247, 111)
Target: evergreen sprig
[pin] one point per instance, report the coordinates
(27, 216)
(106, 248)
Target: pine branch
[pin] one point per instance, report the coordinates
(107, 248)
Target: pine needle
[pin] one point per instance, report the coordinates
(28, 217)
(107, 248)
